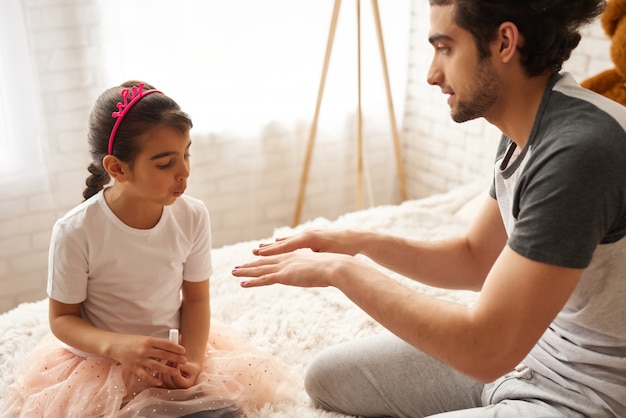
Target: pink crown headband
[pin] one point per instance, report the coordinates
(134, 95)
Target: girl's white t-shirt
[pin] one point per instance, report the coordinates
(129, 280)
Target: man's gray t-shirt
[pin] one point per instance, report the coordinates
(563, 202)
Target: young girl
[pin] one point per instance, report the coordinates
(128, 265)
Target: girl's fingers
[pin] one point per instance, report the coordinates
(149, 376)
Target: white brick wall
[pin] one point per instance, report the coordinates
(249, 184)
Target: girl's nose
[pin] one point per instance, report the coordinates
(184, 172)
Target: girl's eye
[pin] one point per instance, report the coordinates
(164, 166)
(187, 156)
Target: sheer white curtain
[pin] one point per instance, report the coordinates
(240, 64)
(19, 109)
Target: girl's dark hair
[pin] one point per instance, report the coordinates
(151, 111)
(549, 27)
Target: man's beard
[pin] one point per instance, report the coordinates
(484, 90)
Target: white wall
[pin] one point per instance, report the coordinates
(249, 184)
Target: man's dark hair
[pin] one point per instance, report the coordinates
(549, 28)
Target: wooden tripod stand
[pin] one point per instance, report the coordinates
(392, 118)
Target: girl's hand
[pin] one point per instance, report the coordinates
(185, 378)
(151, 359)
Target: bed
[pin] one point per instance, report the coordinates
(293, 324)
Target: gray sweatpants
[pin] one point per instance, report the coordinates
(383, 376)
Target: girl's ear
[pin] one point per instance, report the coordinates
(118, 170)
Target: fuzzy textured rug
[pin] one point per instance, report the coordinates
(291, 323)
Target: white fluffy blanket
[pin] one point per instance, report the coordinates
(291, 323)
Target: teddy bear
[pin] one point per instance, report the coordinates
(612, 83)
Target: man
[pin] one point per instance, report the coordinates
(547, 336)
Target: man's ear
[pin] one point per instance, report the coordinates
(508, 41)
(118, 170)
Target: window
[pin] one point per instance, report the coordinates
(19, 122)
(243, 63)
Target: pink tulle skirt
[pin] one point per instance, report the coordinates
(54, 382)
